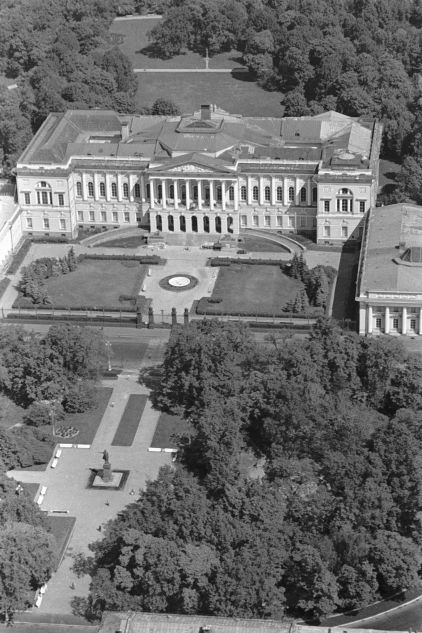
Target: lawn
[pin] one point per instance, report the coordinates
(250, 289)
(168, 426)
(260, 244)
(89, 421)
(11, 413)
(61, 527)
(132, 38)
(132, 241)
(96, 283)
(235, 92)
(129, 422)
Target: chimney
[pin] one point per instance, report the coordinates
(205, 112)
(125, 130)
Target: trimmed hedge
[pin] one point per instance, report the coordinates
(129, 320)
(19, 257)
(142, 259)
(26, 303)
(51, 239)
(4, 284)
(207, 307)
(227, 261)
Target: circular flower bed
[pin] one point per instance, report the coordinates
(178, 283)
(66, 432)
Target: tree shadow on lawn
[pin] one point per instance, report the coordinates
(154, 52)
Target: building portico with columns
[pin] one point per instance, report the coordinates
(207, 174)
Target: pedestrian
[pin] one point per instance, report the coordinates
(99, 528)
(107, 502)
(72, 585)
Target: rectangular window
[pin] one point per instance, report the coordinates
(344, 231)
(126, 217)
(103, 216)
(92, 216)
(61, 199)
(63, 225)
(27, 198)
(291, 222)
(29, 223)
(80, 216)
(378, 323)
(46, 223)
(303, 221)
(243, 220)
(344, 206)
(279, 220)
(395, 324)
(362, 206)
(327, 231)
(255, 220)
(413, 324)
(115, 216)
(267, 220)
(326, 206)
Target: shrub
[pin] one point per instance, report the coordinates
(19, 257)
(214, 300)
(39, 414)
(131, 298)
(142, 259)
(81, 397)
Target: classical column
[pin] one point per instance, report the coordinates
(199, 197)
(387, 320)
(236, 195)
(187, 185)
(369, 315)
(164, 193)
(404, 321)
(249, 190)
(261, 191)
(223, 194)
(420, 320)
(176, 194)
(151, 193)
(211, 194)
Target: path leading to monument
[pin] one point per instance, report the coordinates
(66, 484)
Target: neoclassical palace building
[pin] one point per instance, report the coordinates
(389, 285)
(209, 173)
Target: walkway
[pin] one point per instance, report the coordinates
(191, 70)
(66, 484)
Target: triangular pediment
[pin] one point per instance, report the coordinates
(192, 163)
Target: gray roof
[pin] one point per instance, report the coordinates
(390, 231)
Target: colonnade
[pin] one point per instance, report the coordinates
(392, 320)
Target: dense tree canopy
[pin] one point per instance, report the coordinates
(331, 521)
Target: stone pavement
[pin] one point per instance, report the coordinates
(66, 487)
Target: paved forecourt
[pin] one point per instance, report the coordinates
(66, 486)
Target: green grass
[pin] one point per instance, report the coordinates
(260, 244)
(168, 426)
(130, 420)
(89, 421)
(236, 94)
(10, 413)
(251, 289)
(95, 283)
(61, 528)
(31, 489)
(132, 241)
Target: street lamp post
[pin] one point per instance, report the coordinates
(108, 348)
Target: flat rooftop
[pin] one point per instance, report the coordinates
(392, 230)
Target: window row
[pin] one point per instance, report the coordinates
(46, 224)
(292, 222)
(345, 205)
(291, 195)
(102, 216)
(44, 198)
(90, 190)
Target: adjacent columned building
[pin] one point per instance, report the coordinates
(208, 173)
(389, 285)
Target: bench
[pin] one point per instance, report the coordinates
(54, 463)
(58, 452)
(43, 490)
(40, 499)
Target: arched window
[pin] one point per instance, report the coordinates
(159, 223)
(303, 195)
(194, 224)
(229, 225)
(113, 190)
(182, 223)
(160, 192)
(171, 192)
(231, 193)
(170, 223)
(102, 189)
(314, 194)
(79, 189)
(255, 193)
(219, 194)
(218, 224)
(267, 194)
(206, 224)
(125, 190)
(195, 192)
(279, 194)
(344, 201)
(137, 190)
(44, 194)
(291, 194)
(243, 193)
(90, 190)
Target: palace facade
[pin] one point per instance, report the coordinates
(209, 173)
(389, 284)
